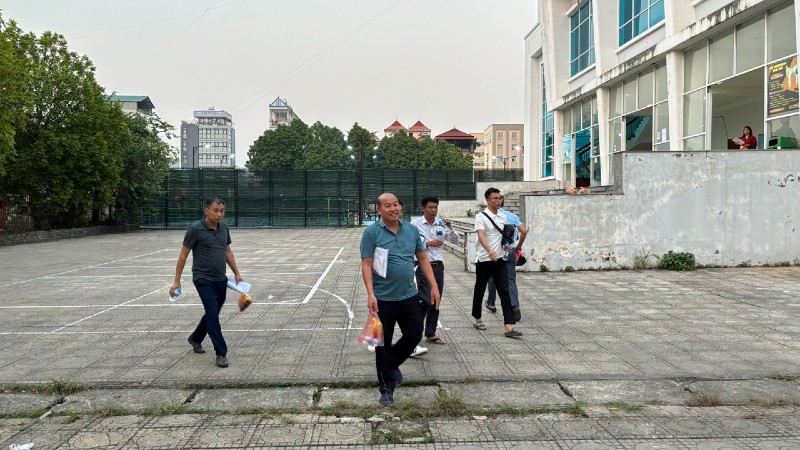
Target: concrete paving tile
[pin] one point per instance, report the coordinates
(232, 400)
(355, 397)
(748, 391)
(127, 399)
(513, 393)
(16, 403)
(634, 392)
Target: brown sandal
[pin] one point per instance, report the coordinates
(435, 340)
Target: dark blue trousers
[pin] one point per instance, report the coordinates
(212, 294)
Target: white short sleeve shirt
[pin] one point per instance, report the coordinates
(493, 237)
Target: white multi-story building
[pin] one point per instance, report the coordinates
(610, 76)
(280, 113)
(209, 141)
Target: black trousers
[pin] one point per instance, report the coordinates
(429, 311)
(499, 271)
(405, 313)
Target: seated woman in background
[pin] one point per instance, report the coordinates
(748, 140)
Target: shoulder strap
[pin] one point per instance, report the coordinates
(490, 220)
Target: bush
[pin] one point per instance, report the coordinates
(543, 268)
(678, 261)
(569, 269)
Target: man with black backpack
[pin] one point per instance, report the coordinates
(495, 238)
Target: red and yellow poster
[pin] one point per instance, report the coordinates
(782, 95)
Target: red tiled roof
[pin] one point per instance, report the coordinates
(419, 127)
(396, 126)
(455, 134)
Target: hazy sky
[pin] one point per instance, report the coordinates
(448, 63)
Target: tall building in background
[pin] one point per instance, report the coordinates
(479, 157)
(503, 146)
(280, 113)
(208, 142)
(134, 103)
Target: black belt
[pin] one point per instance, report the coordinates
(433, 263)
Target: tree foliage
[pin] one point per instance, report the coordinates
(402, 151)
(325, 148)
(15, 96)
(145, 164)
(68, 153)
(281, 148)
(363, 147)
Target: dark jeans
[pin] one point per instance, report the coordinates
(406, 314)
(429, 311)
(512, 283)
(212, 294)
(499, 271)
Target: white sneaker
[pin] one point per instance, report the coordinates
(419, 351)
(370, 348)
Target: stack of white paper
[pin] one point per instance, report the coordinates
(242, 287)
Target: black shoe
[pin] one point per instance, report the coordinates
(222, 361)
(196, 346)
(517, 314)
(491, 308)
(387, 398)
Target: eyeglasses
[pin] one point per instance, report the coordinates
(495, 198)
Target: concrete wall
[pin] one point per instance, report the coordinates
(725, 207)
(514, 187)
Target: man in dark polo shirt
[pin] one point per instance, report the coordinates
(394, 297)
(209, 240)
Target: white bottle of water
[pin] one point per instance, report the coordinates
(176, 295)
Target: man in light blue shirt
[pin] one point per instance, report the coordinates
(519, 237)
(394, 298)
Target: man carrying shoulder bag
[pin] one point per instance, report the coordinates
(491, 262)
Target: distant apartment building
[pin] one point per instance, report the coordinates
(503, 146)
(134, 103)
(280, 113)
(208, 142)
(479, 157)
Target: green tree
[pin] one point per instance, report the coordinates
(324, 149)
(360, 140)
(281, 148)
(15, 97)
(68, 154)
(400, 151)
(145, 164)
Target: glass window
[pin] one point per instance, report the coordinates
(750, 45)
(721, 54)
(788, 126)
(586, 114)
(661, 123)
(615, 101)
(581, 39)
(694, 113)
(629, 96)
(695, 143)
(780, 24)
(694, 68)
(661, 82)
(615, 135)
(637, 16)
(595, 163)
(645, 89)
(548, 125)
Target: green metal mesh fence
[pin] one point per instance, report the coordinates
(306, 198)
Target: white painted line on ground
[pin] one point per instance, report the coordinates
(109, 309)
(322, 277)
(82, 268)
(225, 330)
(296, 301)
(147, 275)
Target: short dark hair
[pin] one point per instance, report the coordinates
(400, 202)
(429, 199)
(490, 191)
(211, 200)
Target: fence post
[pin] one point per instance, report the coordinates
(305, 198)
(235, 198)
(166, 201)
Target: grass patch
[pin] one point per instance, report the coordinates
(656, 403)
(468, 380)
(544, 268)
(165, 410)
(774, 403)
(578, 409)
(782, 376)
(392, 434)
(110, 411)
(449, 405)
(623, 406)
(55, 387)
(33, 414)
(705, 400)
